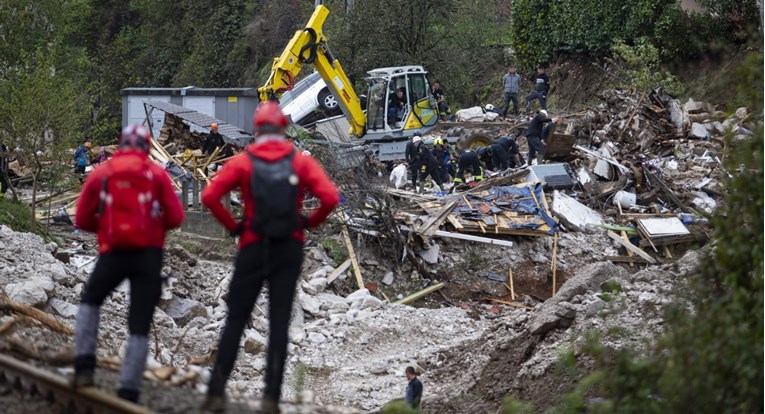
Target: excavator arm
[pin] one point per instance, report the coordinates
(309, 46)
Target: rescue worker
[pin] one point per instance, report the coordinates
(213, 140)
(413, 396)
(423, 157)
(536, 145)
(485, 156)
(81, 157)
(273, 178)
(442, 157)
(130, 202)
(469, 161)
(505, 152)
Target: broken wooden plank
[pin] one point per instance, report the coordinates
(34, 313)
(626, 259)
(339, 271)
(629, 246)
(510, 279)
(671, 194)
(613, 162)
(504, 302)
(352, 254)
(625, 238)
(419, 295)
(468, 237)
(554, 262)
(434, 222)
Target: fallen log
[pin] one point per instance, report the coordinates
(10, 305)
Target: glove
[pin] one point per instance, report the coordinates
(238, 231)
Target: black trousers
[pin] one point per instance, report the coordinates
(469, 160)
(3, 184)
(143, 268)
(536, 148)
(500, 157)
(430, 170)
(278, 262)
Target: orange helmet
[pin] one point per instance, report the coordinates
(213, 127)
(269, 116)
(136, 136)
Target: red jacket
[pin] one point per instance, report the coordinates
(87, 206)
(236, 173)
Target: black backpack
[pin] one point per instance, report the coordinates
(274, 186)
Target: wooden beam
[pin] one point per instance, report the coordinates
(671, 194)
(468, 237)
(419, 295)
(434, 222)
(555, 262)
(629, 246)
(510, 279)
(504, 302)
(352, 254)
(626, 259)
(339, 271)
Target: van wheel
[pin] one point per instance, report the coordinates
(327, 101)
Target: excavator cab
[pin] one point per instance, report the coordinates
(392, 114)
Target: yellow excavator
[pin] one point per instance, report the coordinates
(390, 118)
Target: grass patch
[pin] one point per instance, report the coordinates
(18, 217)
(335, 250)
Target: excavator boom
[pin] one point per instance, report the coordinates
(309, 46)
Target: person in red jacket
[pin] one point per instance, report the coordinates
(273, 177)
(130, 202)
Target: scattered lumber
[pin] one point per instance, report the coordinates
(419, 295)
(339, 271)
(352, 254)
(629, 246)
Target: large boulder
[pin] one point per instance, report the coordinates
(183, 310)
(474, 114)
(33, 291)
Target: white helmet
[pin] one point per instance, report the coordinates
(543, 112)
(416, 139)
(489, 107)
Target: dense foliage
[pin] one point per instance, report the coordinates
(542, 28)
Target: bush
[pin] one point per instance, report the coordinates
(640, 64)
(17, 216)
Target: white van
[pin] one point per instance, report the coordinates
(308, 95)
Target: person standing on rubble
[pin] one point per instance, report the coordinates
(273, 177)
(533, 136)
(511, 83)
(413, 396)
(541, 88)
(130, 202)
(468, 161)
(423, 157)
(213, 140)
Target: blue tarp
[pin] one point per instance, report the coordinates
(520, 201)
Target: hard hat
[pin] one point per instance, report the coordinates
(416, 139)
(307, 153)
(136, 136)
(213, 127)
(269, 114)
(438, 141)
(489, 107)
(543, 112)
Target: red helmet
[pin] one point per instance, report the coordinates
(136, 136)
(269, 114)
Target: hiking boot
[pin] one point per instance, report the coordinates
(269, 407)
(214, 403)
(82, 379)
(128, 395)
